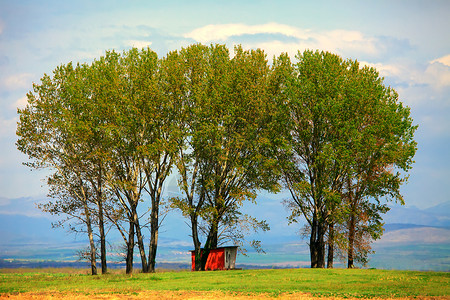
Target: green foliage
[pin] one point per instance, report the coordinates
(222, 162)
(111, 132)
(349, 143)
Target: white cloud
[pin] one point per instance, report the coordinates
(437, 74)
(87, 56)
(18, 81)
(211, 33)
(445, 60)
(20, 103)
(434, 75)
(345, 41)
(386, 70)
(138, 44)
(285, 38)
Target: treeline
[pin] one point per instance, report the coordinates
(111, 132)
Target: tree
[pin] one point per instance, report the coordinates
(341, 119)
(141, 136)
(381, 141)
(72, 200)
(89, 133)
(108, 125)
(54, 132)
(382, 157)
(110, 133)
(161, 133)
(220, 164)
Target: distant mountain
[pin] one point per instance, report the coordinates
(434, 216)
(25, 229)
(442, 209)
(399, 226)
(412, 247)
(415, 234)
(414, 238)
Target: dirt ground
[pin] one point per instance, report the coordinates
(181, 295)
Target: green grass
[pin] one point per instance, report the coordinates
(318, 282)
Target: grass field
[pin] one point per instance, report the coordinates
(253, 283)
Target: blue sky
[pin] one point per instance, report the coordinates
(407, 41)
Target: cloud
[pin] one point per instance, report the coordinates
(344, 41)
(20, 103)
(437, 73)
(390, 70)
(138, 44)
(223, 32)
(434, 75)
(18, 81)
(88, 56)
(445, 60)
(276, 38)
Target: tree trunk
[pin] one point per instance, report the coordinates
(91, 241)
(213, 235)
(130, 250)
(317, 244)
(102, 238)
(197, 245)
(330, 246)
(140, 241)
(101, 225)
(211, 243)
(154, 228)
(351, 240)
(312, 244)
(321, 246)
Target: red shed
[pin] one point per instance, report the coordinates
(222, 258)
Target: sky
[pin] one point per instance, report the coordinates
(408, 42)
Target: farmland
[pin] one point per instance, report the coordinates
(286, 283)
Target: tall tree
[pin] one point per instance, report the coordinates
(143, 134)
(72, 199)
(383, 152)
(221, 167)
(339, 114)
(315, 167)
(90, 134)
(117, 96)
(111, 122)
(159, 118)
(54, 131)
